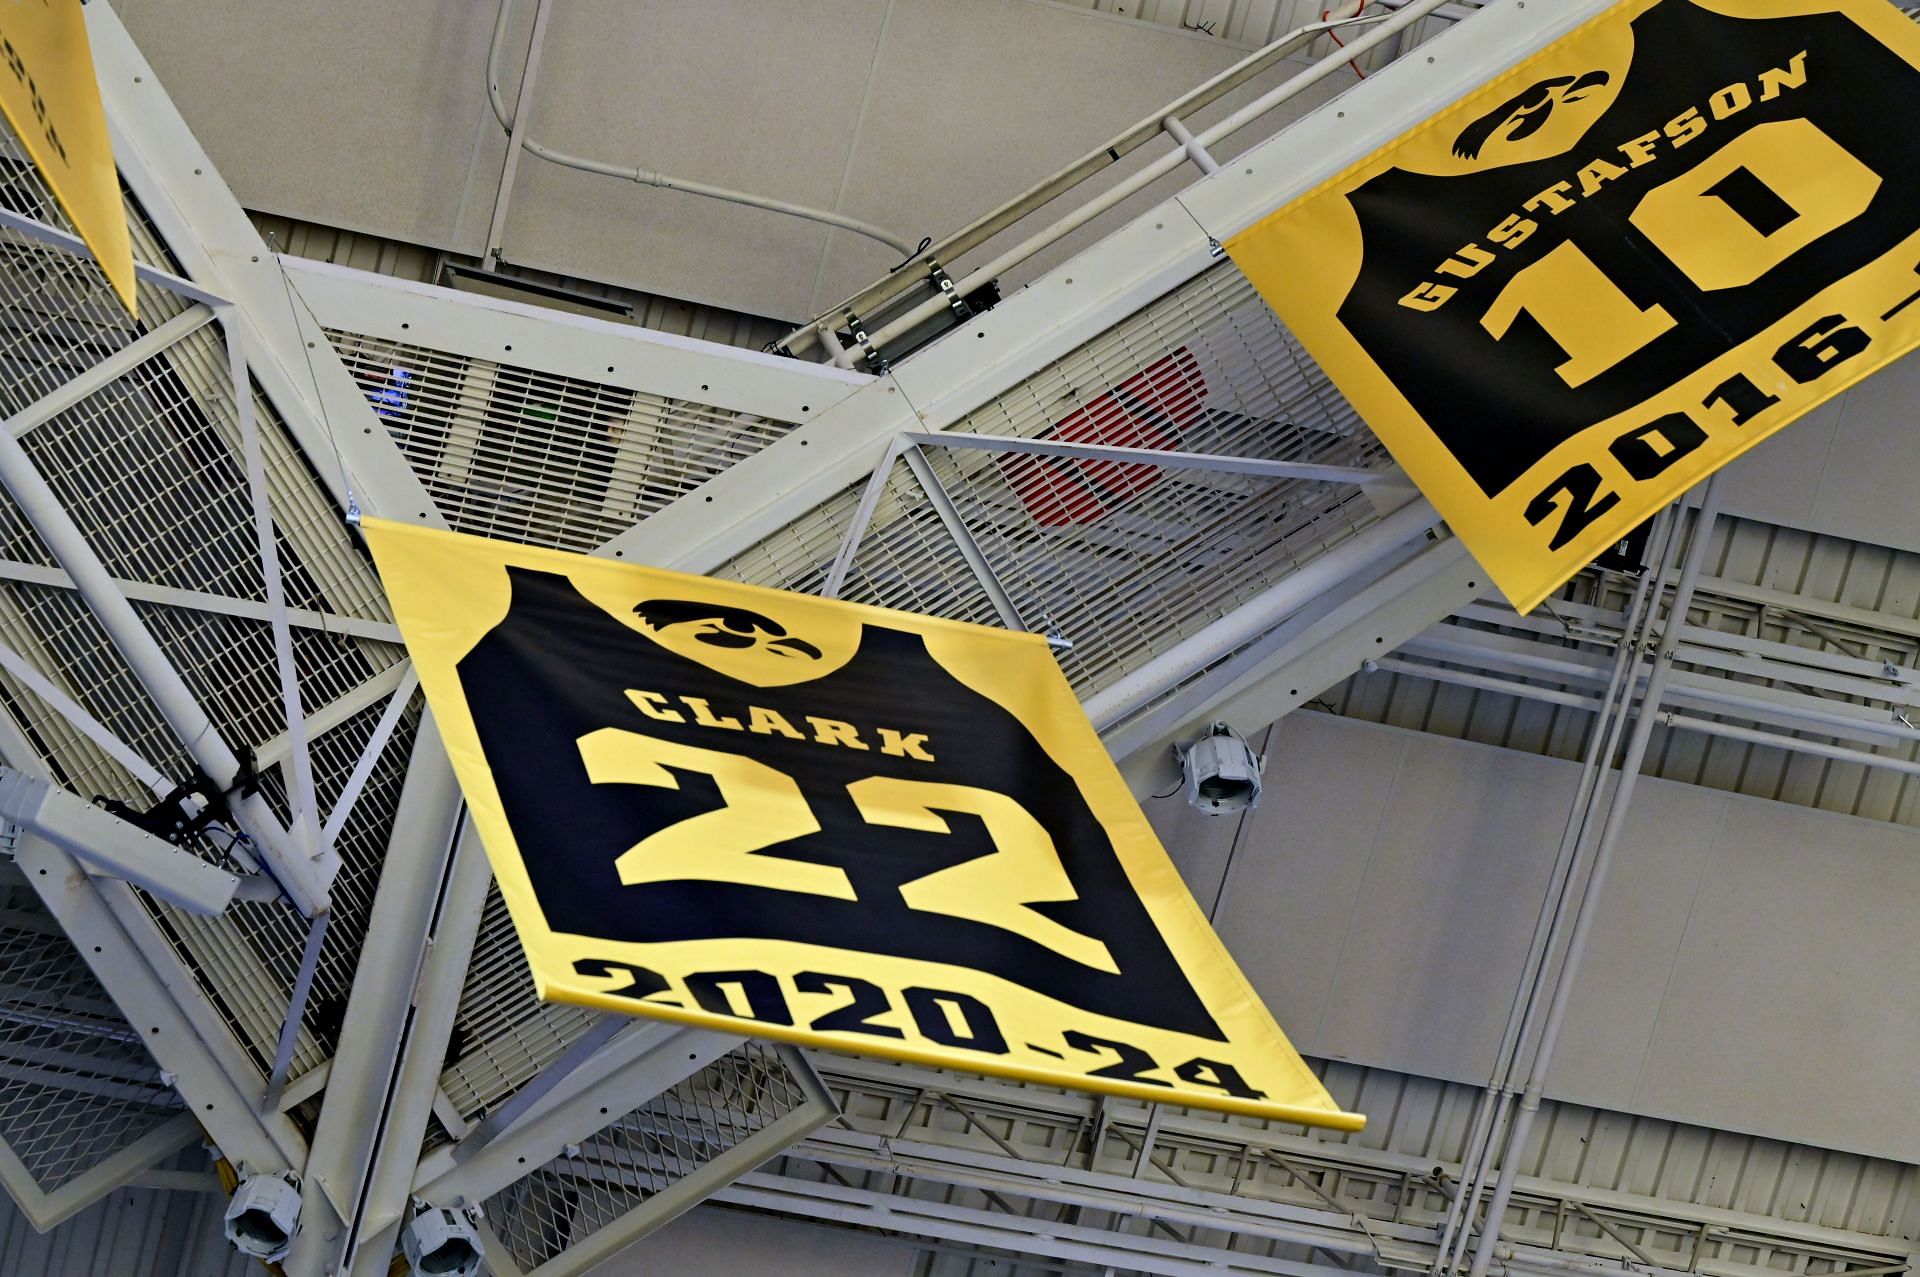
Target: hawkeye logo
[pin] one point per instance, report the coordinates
(1526, 112)
(717, 625)
(1682, 129)
(751, 646)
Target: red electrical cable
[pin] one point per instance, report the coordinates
(1335, 35)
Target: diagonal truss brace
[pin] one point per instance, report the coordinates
(305, 815)
(1165, 459)
(42, 508)
(909, 446)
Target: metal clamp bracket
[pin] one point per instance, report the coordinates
(171, 818)
(870, 353)
(949, 290)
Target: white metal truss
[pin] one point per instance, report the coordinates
(1130, 454)
(1051, 1175)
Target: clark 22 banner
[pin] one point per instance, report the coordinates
(1567, 298)
(844, 826)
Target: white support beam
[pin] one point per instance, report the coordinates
(569, 345)
(597, 1034)
(46, 1210)
(409, 916)
(218, 251)
(334, 713)
(109, 845)
(67, 243)
(1709, 693)
(939, 385)
(950, 518)
(92, 728)
(696, 1185)
(376, 745)
(114, 366)
(645, 1060)
(175, 1041)
(1359, 553)
(415, 1091)
(150, 665)
(927, 1150)
(141, 971)
(1299, 659)
(1165, 459)
(1020, 1235)
(196, 600)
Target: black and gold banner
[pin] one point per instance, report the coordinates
(835, 824)
(51, 99)
(1570, 296)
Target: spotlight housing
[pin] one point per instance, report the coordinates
(1222, 772)
(442, 1243)
(263, 1215)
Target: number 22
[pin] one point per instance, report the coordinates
(762, 807)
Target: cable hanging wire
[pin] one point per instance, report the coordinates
(648, 177)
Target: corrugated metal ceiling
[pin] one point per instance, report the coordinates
(1873, 594)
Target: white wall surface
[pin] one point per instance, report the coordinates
(1750, 966)
(711, 1241)
(359, 114)
(1830, 471)
(917, 115)
(132, 1232)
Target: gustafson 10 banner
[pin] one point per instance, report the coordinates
(839, 825)
(1567, 298)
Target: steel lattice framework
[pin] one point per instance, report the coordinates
(1144, 463)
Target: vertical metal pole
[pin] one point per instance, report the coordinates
(1602, 859)
(1490, 1113)
(522, 112)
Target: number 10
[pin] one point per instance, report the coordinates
(1723, 223)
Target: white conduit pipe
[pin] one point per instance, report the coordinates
(1189, 144)
(878, 294)
(1159, 168)
(1616, 820)
(1614, 713)
(1491, 1110)
(1602, 748)
(1259, 614)
(1497, 1101)
(297, 875)
(1668, 718)
(647, 177)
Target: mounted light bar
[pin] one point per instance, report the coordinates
(109, 845)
